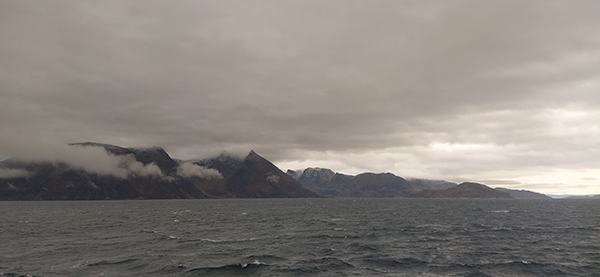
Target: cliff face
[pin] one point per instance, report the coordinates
(146, 173)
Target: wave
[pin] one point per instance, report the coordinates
(10, 274)
(115, 262)
(218, 240)
(500, 268)
(239, 268)
(395, 262)
(314, 266)
(265, 258)
(360, 247)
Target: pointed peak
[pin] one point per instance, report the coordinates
(254, 156)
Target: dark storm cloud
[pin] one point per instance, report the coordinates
(462, 89)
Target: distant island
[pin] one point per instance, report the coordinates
(116, 173)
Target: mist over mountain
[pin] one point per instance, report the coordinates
(142, 173)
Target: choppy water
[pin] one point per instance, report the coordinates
(301, 237)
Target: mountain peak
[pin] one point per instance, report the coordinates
(256, 177)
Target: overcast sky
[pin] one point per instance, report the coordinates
(506, 93)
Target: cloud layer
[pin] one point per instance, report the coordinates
(498, 91)
(188, 169)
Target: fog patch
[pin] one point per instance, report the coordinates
(13, 173)
(92, 159)
(97, 160)
(273, 179)
(188, 170)
(136, 168)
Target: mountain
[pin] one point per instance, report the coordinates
(251, 177)
(430, 184)
(59, 181)
(144, 173)
(329, 184)
(152, 155)
(583, 196)
(464, 190)
(256, 177)
(523, 194)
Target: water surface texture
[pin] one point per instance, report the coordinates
(301, 237)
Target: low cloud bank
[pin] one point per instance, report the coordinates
(133, 167)
(88, 158)
(93, 159)
(97, 160)
(12, 173)
(188, 170)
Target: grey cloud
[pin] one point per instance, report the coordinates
(188, 169)
(292, 79)
(132, 167)
(12, 173)
(91, 159)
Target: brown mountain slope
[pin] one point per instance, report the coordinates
(256, 177)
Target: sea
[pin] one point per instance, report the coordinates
(301, 237)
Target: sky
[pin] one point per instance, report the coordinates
(506, 93)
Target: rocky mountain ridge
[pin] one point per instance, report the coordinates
(96, 171)
(327, 183)
(463, 190)
(144, 173)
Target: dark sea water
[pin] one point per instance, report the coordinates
(301, 237)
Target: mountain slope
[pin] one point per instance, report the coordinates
(430, 184)
(256, 177)
(524, 194)
(464, 190)
(58, 181)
